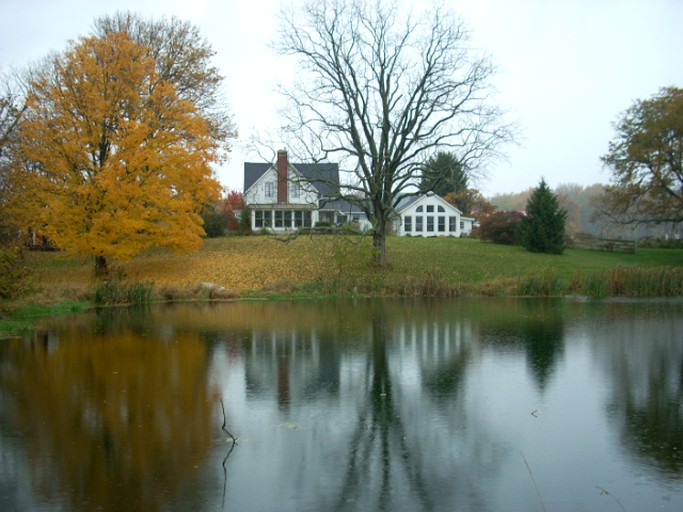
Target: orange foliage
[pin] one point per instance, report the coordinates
(114, 161)
(148, 402)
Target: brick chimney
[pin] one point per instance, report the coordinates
(281, 167)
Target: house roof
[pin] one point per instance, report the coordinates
(341, 205)
(407, 201)
(324, 177)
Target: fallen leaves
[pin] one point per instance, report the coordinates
(247, 263)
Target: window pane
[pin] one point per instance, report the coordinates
(278, 218)
(307, 219)
(451, 223)
(408, 223)
(288, 219)
(430, 208)
(419, 209)
(258, 218)
(267, 219)
(442, 222)
(418, 223)
(430, 223)
(440, 209)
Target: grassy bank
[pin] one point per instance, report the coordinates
(339, 265)
(21, 318)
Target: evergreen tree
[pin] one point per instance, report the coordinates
(542, 228)
(444, 174)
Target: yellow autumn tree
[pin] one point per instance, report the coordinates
(112, 162)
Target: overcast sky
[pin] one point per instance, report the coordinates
(566, 68)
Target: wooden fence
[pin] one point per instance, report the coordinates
(604, 244)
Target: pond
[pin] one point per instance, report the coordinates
(397, 405)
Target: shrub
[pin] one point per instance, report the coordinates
(499, 227)
(245, 221)
(215, 224)
(114, 292)
(13, 273)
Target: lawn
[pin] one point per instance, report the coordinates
(326, 264)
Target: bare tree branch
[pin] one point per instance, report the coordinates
(380, 91)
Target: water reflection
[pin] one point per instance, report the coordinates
(114, 421)
(536, 327)
(367, 405)
(644, 358)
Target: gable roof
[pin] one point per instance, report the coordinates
(408, 201)
(324, 177)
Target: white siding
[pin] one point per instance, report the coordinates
(264, 190)
(430, 215)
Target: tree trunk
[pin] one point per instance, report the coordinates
(100, 266)
(379, 247)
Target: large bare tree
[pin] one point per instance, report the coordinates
(380, 91)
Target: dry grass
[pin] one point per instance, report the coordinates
(222, 268)
(326, 264)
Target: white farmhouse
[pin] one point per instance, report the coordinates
(285, 197)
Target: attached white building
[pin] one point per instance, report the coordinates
(430, 215)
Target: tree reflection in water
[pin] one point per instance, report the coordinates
(380, 438)
(408, 452)
(644, 359)
(367, 405)
(537, 326)
(119, 422)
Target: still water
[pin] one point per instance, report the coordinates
(463, 405)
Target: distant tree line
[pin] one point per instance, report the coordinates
(584, 214)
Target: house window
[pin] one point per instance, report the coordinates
(295, 190)
(288, 219)
(407, 224)
(279, 218)
(419, 209)
(430, 222)
(418, 223)
(442, 223)
(269, 189)
(451, 224)
(430, 208)
(302, 218)
(440, 209)
(462, 225)
(262, 219)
